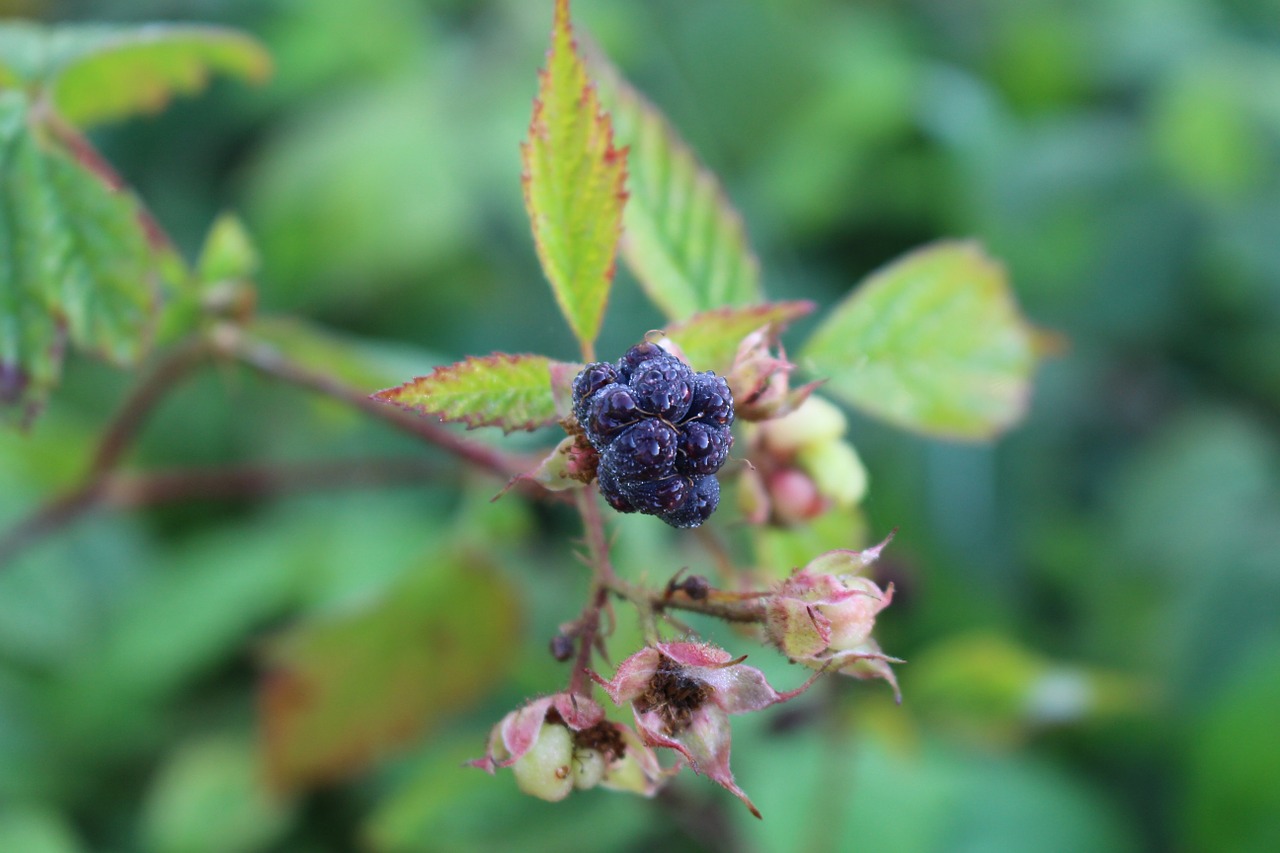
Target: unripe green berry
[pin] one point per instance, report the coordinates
(588, 768)
(546, 770)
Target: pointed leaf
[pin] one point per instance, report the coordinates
(933, 342)
(573, 185)
(682, 237)
(710, 340)
(341, 692)
(101, 73)
(510, 391)
(75, 263)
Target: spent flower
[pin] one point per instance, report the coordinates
(561, 742)
(682, 695)
(823, 615)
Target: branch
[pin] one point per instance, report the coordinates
(100, 488)
(245, 482)
(603, 579)
(250, 482)
(137, 407)
(272, 363)
(116, 439)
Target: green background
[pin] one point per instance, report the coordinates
(1088, 606)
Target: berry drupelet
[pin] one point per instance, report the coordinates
(662, 432)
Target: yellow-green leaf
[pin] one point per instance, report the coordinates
(343, 691)
(573, 185)
(681, 236)
(933, 342)
(100, 73)
(710, 339)
(76, 264)
(510, 391)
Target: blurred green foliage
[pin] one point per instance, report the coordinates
(1089, 605)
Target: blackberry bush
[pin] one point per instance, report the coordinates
(932, 342)
(662, 432)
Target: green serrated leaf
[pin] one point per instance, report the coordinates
(933, 342)
(510, 391)
(710, 339)
(341, 692)
(75, 264)
(573, 185)
(682, 238)
(100, 73)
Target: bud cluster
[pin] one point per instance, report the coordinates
(803, 466)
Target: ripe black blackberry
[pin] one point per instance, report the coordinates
(589, 380)
(662, 432)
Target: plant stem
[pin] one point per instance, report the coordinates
(603, 579)
(116, 439)
(250, 482)
(588, 638)
(100, 488)
(272, 363)
(244, 482)
(137, 407)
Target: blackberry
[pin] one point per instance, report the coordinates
(702, 500)
(664, 388)
(592, 378)
(637, 355)
(612, 409)
(657, 497)
(643, 451)
(703, 448)
(611, 489)
(712, 401)
(661, 430)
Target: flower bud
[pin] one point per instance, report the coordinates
(760, 379)
(794, 496)
(852, 618)
(823, 615)
(816, 421)
(837, 471)
(546, 770)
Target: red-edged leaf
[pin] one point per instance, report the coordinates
(710, 340)
(510, 391)
(573, 185)
(341, 692)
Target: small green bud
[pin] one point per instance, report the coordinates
(546, 771)
(817, 421)
(837, 471)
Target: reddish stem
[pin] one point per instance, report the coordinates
(270, 362)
